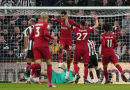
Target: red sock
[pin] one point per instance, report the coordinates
(49, 73)
(60, 54)
(76, 68)
(68, 64)
(105, 73)
(32, 73)
(119, 68)
(85, 71)
(35, 73)
(35, 66)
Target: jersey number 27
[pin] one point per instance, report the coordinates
(80, 35)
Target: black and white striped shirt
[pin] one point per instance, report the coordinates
(27, 32)
(91, 47)
(24, 3)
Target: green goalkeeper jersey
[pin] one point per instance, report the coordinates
(60, 77)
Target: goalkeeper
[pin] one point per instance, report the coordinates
(59, 77)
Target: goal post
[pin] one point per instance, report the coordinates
(14, 20)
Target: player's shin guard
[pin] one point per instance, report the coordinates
(119, 68)
(85, 71)
(76, 68)
(91, 75)
(60, 54)
(105, 73)
(49, 73)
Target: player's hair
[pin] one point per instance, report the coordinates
(63, 12)
(33, 20)
(107, 27)
(82, 22)
(43, 15)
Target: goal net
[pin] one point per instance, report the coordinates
(14, 20)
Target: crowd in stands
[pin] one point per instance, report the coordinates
(10, 3)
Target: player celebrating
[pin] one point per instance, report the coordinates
(28, 45)
(65, 40)
(81, 48)
(108, 44)
(93, 61)
(41, 51)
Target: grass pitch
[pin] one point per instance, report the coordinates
(16, 86)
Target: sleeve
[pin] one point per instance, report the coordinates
(74, 28)
(57, 20)
(115, 42)
(90, 29)
(31, 36)
(46, 33)
(72, 22)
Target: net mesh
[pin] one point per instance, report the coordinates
(14, 22)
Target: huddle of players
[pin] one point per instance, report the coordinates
(40, 36)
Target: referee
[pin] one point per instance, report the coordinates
(93, 61)
(28, 46)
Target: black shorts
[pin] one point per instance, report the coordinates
(93, 61)
(29, 54)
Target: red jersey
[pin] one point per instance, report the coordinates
(66, 33)
(108, 42)
(82, 35)
(40, 34)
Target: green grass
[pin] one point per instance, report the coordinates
(11, 86)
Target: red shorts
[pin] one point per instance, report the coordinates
(67, 44)
(41, 53)
(81, 52)
(106, 59)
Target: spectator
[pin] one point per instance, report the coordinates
(54, 48)
(122, 3)
(116, 28)
(26, 3)
(88, 23)
(70, 3)
(6, 34)
(11, 54)
(81, 13)
(109, 3)
(82, 2)
(121, 49)
(101, 23)
(126, 23)
(3, 47)
(8, 3)
(105, 2)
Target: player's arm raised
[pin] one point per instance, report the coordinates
(96, 24)
(67, 22)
